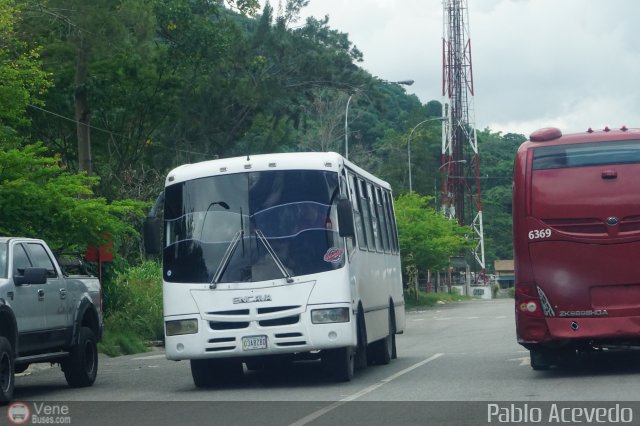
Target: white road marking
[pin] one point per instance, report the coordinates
(523, 360)
(319, 413)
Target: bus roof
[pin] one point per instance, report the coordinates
(265, 162)
(553, 136)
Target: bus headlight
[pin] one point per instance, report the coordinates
(174, 328)
(326, 316)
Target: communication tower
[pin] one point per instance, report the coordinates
(460, 168)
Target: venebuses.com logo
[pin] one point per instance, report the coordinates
(20, 413)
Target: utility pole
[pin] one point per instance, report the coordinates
(460, 193)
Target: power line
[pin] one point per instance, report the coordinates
(72, 120)
(78, 122)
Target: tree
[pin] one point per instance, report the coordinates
(39, 199)
(427, 239)
(22, 80)
(497, 152)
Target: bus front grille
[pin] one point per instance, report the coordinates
(223, 325)
(293, 319)
(273, 309)
(288, 344)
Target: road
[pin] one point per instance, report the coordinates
(456, 354)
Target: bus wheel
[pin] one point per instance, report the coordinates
(340, 363)
(361, 351)
(210, 372)
(7, 376)
(539, 360)
(382, 351)
(392, 330)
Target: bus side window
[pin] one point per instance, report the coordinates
(366, 215)
(375, 222)
(357, 215)
(392, 223)
(382, 220)
(344, 193)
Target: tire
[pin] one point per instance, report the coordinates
(7, 372)
(392, 328)
(361, 350)
(539, 360)
(382, 351)
(340, 363)
(81, 367)
(207, 373)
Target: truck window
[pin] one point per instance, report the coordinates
(41, 259)
(20, 260)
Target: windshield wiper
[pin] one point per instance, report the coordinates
(274, 256)
(231, 248)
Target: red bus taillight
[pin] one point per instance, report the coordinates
(530, 307)
(531, 323)
(527, 302)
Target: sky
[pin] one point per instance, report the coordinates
(571, 64)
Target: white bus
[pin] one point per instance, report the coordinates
(277, 257)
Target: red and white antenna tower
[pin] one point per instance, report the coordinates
(460, 161)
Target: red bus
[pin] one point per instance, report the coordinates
(576, 236)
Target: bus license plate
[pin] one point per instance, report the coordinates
(250, 343)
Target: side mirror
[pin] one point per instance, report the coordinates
(152, 239)
(345, 218)
(31, 276)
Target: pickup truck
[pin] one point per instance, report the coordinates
(46, 314)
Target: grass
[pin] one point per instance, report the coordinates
(118, 342)
(133, 310)
(432, 299)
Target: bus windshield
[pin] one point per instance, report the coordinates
(223, 227)
(586, 154)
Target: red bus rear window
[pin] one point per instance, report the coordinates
(586, 154)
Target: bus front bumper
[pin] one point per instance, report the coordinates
(246, 339)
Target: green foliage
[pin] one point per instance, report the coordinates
(133, 307)
(427, 239)
(22, 81)
(498, 152)
(40, 199)
(118, 341)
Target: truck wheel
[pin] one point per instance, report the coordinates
(81, 367)
(340, 363)
(7, 375)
